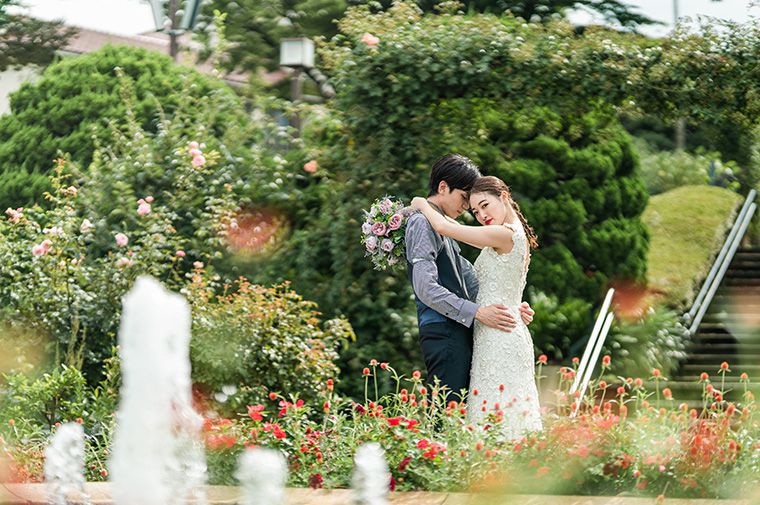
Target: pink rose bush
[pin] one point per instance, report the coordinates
(383, 233)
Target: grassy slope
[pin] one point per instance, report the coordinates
(688, 226)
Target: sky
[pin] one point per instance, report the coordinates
(129, 17)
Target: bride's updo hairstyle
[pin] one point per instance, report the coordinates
(495, 186)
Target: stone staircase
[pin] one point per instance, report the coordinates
(730, 332)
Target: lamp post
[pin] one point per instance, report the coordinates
(680, 122)
(166, 16)
(298, 54)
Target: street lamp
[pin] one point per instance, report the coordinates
(298, 54)
(165, 14)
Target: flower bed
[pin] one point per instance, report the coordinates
(625, 440)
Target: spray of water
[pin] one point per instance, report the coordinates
(157, 456)
(64, 465)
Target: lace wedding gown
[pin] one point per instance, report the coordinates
(503, 364)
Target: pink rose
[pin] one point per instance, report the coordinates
(42, 248)
(123, 262)
(371, 243)
(370, 40)
(199, 161)
(196, 152)
(379, 229)
(143, 208)
(386, 245)
(149, 199)
(193, 145)
(180, 254)
(394, 223)
(121, 239)
(14, 216)
(311, 166)
(386, 206)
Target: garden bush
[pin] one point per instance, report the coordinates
(251, 340)
(70, 107)
(665, 170)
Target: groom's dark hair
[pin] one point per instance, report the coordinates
(459, 172)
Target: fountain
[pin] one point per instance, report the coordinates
(64, 464)
(157, 455)
(262, 474)
(371, 476)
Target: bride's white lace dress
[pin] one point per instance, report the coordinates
(503, 364)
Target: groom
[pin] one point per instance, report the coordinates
(444, 283)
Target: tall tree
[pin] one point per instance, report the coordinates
(25, 40)
(254, 28)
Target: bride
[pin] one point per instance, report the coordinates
(502, 376)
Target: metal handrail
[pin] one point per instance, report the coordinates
(689, 316)
(592, 362)
(724, 266)
(592, 340)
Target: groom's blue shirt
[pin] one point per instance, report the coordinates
(444, 283)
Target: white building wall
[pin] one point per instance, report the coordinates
(11, 80)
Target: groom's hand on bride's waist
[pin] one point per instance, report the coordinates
(526, 313)
(496, 316)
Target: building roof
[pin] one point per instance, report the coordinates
(88, 40)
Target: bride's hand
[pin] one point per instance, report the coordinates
(418, 203)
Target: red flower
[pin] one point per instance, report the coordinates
(638, 382)
(373, 362)
(365, 372)
(744, 376)
(576, 361)
(703, 376)
(79, 420)
(656, 372)
(621, 390)
(272, 396)
(384, 366)
(667, 393)
(501, 388)
(423, 443)
(416, 374)
(474, 392)
(395, 421)
(724, 366)
(392, 484)
(543, 359)
(254, 412)
(404, 462)
(423, 390)
(602, 384)
(606, 360)
(315, 481)
(411, 423)
(104, 472)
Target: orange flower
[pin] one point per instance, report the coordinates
(311, 166)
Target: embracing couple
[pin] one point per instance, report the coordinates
(472, 320)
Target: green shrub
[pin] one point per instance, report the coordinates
(666, 170)
(55, 397)
(656, 339)
(253, 340)
(70, 107)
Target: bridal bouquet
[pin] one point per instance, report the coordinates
(383, 233)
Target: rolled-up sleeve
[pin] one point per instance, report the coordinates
(422, 251)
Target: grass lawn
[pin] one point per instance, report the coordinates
(688, 226)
